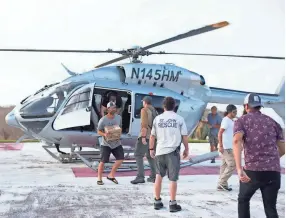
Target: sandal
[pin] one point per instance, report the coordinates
(99, 182)
(112, 179)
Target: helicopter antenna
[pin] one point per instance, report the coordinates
(69, 72)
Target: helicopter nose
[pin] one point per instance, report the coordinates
(11, 119)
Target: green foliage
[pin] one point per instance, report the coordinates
(197, 141)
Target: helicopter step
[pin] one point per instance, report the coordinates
(127, 165)
(130, 165)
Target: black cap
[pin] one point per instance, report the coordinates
(147, 100)
(253, 100)
(230, 108)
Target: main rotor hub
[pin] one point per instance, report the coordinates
(135, 52)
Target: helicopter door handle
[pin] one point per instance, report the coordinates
(129, 109)
(88, 109)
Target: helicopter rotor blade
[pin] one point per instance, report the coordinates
(189, 34)
(219, 55)
(112, 61)
(62, 51)
(175, 38)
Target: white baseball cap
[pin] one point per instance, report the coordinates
(111, 104)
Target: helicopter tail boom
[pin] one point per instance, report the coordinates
(275, 101)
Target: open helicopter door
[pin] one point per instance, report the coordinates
(77, 111)
(75, 119)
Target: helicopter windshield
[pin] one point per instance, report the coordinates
(45, 87)
(47, 102)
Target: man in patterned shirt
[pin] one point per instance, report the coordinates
(263, 144)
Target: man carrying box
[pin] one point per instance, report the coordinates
(109, 127)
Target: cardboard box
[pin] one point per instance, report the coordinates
(115, 132)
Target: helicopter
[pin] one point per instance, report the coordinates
(65, 114)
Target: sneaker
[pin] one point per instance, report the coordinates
(158, 204)
(213, 161)
(223, 188)
(151, 179)
(174, 207)
(138, 180)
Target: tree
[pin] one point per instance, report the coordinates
(5, 134)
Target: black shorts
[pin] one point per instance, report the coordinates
(117, 152)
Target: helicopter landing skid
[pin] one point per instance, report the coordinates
(72, 157)
(130, 165)
(83, 156)
(127, 165)
(63, 158)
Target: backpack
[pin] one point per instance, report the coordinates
(151, 116)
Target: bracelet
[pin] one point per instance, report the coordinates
(151, 149)
(143, 137)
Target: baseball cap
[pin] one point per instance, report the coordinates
(230, 108)
(147, 99)
(111, 104)
(253, 100)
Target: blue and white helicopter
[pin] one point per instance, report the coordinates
(65, 114)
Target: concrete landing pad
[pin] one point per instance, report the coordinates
(34, 185)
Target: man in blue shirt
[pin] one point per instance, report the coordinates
(214, 121)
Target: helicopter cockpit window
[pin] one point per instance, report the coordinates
(45, 87)
(40, 107)
(48, 101)
(157, 102)
(78, 101)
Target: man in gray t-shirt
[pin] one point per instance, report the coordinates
(109, 147)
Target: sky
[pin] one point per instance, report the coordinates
(256, 28)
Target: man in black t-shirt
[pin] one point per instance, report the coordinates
(110, 96)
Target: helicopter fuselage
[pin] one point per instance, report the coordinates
(66, 123)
